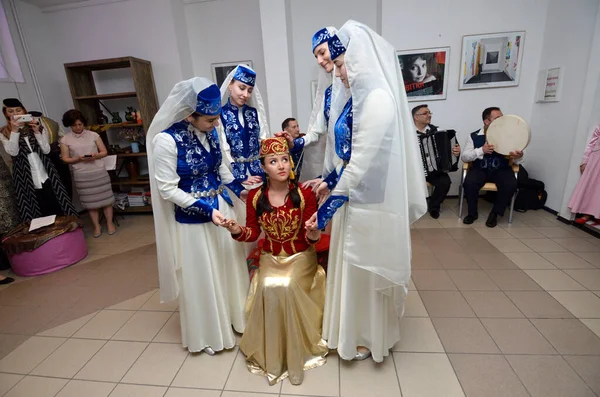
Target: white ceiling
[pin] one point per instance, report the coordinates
(51, 3)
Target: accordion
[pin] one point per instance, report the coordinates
(436, 150)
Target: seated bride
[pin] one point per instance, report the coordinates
(284, 309)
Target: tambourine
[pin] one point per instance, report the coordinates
(508, 134)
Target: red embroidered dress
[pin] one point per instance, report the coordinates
(284, 226)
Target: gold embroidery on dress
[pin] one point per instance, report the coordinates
(282, 225)
(255, 199)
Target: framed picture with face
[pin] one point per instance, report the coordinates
(221, 70)
(425, 73)
(491, 60)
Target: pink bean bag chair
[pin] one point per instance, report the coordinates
(45, 250)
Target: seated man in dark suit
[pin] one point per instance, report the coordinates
(488, 166)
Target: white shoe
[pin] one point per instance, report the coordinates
(362, 356)
(208, 350)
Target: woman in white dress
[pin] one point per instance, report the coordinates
(374, 188)
(314, 140)
(197, 260)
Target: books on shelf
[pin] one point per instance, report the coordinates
(138, 197)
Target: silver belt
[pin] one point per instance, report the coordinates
(209, 193)
(246, 160)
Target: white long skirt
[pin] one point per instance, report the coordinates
(356, 313)
(213, 280)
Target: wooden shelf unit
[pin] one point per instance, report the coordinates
(145, 208)
(87, 100)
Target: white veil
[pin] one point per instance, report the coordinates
(392, 192)
(180, 103)
(255, 101)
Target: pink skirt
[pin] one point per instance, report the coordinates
(586, 196)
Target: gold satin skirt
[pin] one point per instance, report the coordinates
(284, 313)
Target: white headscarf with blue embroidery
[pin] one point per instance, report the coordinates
(255, 100)
(183, 100)
(389, 193)
(314, 155)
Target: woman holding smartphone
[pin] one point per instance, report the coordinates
(39, 190)
(82, 150)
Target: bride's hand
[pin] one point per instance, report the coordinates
(311, 225)
(232, 226)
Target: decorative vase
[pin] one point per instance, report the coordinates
(129, 117)
(116, 119)
(102, 119)
(133, 168)
(135, 147)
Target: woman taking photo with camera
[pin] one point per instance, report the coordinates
(39, 190)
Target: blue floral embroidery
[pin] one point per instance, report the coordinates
(297, 156)
(243, 140)
(336, 48)
(198, 170)
(245, 75)
(208, 108)
(328, 209)
(327, 104)
(331, 180)
(320, 37)
(489, 161)
(343, 133)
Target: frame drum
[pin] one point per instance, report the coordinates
(508, 133)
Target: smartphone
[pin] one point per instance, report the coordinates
(23, 118)
(88, 155)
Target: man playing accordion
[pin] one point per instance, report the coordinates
(435, 173)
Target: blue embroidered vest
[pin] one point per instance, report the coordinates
(343, 149)
(198, 170)
(343, 133)
(297, 156)
(491, 161)
(327, 104)
(243, 141)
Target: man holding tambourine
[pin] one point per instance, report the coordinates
(491, 161)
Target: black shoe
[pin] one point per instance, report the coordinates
(492, 220)
(469, 219)
(7, 280)
(434, 214)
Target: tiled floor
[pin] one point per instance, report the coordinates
(510, 311)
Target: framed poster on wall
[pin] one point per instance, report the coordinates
(425, 73)
(491, 60)
(221, 70)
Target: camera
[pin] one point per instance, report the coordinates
(23, 118)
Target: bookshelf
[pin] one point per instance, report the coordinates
(82, 84)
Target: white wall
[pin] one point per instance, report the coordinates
(589, 118)
(567, 43)
(226, 31)
(182, 40)
(25, 91)
(139, 28)
(308, 16)
(445, 27)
